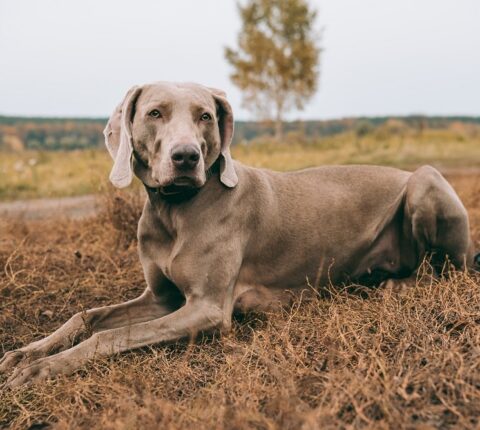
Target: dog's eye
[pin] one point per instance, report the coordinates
(206, 117)
(155, 113)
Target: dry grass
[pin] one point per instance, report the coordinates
(32, 174)
(441, 148)
(384, 358)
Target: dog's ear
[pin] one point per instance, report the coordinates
(228, 176)
(118, 139)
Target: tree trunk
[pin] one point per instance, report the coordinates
(279, 122)
(279, 129)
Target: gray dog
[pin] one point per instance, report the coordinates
(216, 235)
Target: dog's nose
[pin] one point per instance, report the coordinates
(185, 157)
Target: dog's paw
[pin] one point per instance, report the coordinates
(43, 368)
(19, 358)
(32, 373)
(11, 359)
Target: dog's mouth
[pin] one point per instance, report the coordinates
(180, 185)
(185, 181)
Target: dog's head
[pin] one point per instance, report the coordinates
(170, 135)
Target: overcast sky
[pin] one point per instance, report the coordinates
(381, 57)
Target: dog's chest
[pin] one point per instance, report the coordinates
(162, 248)
(156, 247)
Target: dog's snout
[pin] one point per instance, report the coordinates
(185, 157)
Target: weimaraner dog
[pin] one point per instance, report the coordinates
(216, 235)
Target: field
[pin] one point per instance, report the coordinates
(30, 174)
(403, 357)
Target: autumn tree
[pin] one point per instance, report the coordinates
(277, 61)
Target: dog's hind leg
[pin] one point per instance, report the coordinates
(439, 220)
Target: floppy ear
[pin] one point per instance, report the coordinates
(228, 176)
(118, 139)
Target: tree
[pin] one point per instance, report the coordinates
(277, 62)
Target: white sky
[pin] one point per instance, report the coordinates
(78, 58)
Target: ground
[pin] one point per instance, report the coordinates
(392, 357)
(404, 357)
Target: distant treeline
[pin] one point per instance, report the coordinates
(17, 133)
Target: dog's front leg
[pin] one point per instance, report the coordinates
(144, 308)
(197, 315)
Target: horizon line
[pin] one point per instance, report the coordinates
(340, 118)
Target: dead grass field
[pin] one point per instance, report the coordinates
(350, 358)
(34, 174)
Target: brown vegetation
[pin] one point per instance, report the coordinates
(351, 358)
(34, 174)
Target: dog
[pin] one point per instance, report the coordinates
(216, 235)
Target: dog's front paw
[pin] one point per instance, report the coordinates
(11, 359)
(43, 368)
(19, 358)
(32, 373)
